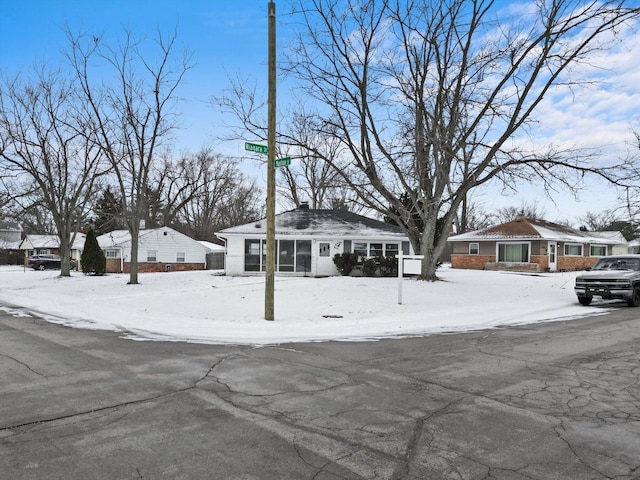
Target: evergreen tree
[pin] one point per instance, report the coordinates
(108, 213)
(92, 259)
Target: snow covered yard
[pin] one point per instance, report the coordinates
(208, 308)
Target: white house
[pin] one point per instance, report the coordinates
(307, 240)
(159, 250)
(10, 235)
(50, 244)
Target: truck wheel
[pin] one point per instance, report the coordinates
(634, 301)
(585, 300)
(41, 267)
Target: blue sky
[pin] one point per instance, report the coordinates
(229, 38)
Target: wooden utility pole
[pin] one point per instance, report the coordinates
(271, 170)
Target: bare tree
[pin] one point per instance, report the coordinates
(309, 178)
(223, 197)
(432, 99)
(131, 99)
(526, 210)
(50, 147)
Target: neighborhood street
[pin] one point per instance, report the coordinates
(546, 401)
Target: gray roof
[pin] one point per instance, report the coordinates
(319, 222)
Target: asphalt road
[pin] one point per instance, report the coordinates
(547, 401)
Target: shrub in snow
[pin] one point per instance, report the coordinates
(345, 262)
(92, 259)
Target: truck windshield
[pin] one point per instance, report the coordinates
(617, 264)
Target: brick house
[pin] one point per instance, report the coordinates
(159, 250)
(533, 245)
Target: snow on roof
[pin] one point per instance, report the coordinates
(5, 245)
(52, 241)
(530, 229)
(319, 222)
(213, 247)
(115, 238)
(44, 241)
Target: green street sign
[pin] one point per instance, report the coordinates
(254, 147)
(283, 162)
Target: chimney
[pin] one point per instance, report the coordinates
(304, 205)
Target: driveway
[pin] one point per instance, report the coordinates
(547, 401)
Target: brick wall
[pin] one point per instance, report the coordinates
(472, 262)
(571, 264)
(113, 266)
(541, 260)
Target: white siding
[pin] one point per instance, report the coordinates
(234, 262)
(167, 243)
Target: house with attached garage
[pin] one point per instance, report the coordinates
(159, 250)
(534, 245)
(307, 240)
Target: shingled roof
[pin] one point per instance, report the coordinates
(532, 229)
(319, 222)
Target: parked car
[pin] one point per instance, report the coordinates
(46, 262)
(611, 277)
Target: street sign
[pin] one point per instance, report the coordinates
(283, 162)
(254, 147)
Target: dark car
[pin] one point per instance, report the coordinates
(46, 262)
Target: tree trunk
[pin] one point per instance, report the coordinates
(133, 261)
(65, 255)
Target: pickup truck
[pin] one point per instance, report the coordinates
(611, 277)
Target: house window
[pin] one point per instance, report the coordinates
(391, 249)
(293, 255)
(513, 252)
(180, 256)
(474, 248)
(303, 256)
(324, 249)
(252, 255)
(572, 249)
(360, 249)
(152, 255)
(286, 255)
(375, 249)
(111, 253)
(598, 251)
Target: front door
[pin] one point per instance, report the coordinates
(325, 259)
(552, 248)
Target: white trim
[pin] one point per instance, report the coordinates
(477, 244)
(571, 244)
(513, 243)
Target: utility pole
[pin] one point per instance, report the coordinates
(271, 170)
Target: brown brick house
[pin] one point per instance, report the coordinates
(533, 245)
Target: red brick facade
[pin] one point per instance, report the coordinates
(538, 239)
(114, 266)
(472, 262)
(571, 264)
(539, 263)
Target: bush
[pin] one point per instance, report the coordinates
(369, 267)
(345, 262)
(92, 259)
(388, 266)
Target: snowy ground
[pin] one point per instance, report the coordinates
(208, 308)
